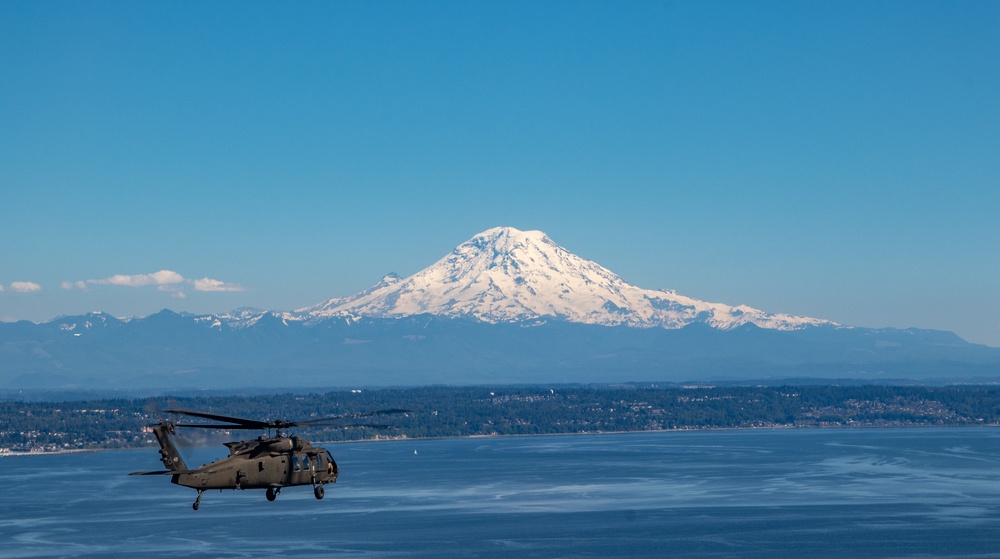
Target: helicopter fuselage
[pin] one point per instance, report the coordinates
(265, 463)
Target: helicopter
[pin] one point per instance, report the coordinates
(267, 462)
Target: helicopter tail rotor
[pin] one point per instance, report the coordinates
(169, 454)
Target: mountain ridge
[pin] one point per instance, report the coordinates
(172, 350)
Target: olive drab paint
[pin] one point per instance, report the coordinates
(269, 463)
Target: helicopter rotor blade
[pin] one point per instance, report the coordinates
(239, 421)
(224, 427)
(280, 424)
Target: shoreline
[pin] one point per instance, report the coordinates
(447, 412)
(526, 435)
(57, 452)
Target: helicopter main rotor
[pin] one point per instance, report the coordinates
(281, 424)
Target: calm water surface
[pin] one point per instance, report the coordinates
(771, 493)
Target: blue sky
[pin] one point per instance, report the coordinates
(839, 160)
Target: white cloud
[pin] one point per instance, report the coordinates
(209, 284)
(164, 280)
(163, 277)
(1, 289)
(24, 287)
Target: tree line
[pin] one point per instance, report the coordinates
(443, 411)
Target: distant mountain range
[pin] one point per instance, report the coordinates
(506, 306)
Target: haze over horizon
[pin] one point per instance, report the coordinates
(828, 160)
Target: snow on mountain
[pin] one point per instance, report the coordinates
(246, 317)
(330, 306)
(507, 275)
(79, 324)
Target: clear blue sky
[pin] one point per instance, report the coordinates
(832, 159)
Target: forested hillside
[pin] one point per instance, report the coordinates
(484, 411)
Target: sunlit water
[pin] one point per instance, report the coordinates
(784, 493)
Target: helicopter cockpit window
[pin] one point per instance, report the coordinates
(295, 464)
(319, 461)
(305, 462)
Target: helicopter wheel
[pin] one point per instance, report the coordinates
(271, 494)
(318, 491)
(197, 502)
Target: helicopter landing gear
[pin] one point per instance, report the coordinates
(197, 502)
(318, 491)
(272, 493)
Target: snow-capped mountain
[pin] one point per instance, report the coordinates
(507, 275)
(461, 321)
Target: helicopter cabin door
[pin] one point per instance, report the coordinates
(302, 469)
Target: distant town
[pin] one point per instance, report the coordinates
(64, 426)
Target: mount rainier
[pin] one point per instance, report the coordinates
(507, 275)
(504, 307)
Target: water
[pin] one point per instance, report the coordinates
(780, 493)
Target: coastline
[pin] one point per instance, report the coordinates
(45, 428)
(859, 427)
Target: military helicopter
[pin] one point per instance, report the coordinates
(269, 463)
